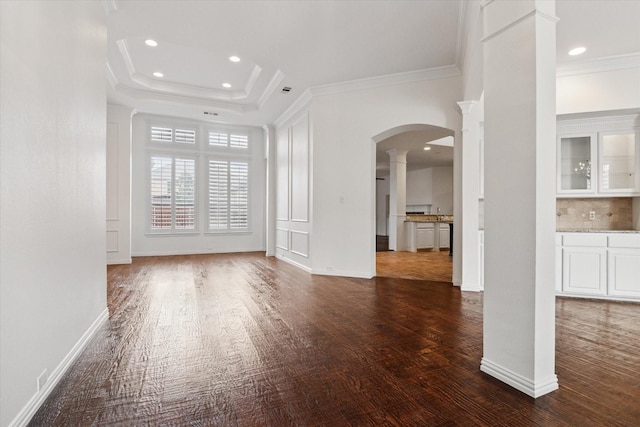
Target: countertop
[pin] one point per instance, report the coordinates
(448, 219)
(588, 230)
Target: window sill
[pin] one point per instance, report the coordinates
(173, 234)
(227, 233)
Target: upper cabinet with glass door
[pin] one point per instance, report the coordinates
(599, 156)
(576, 155)
(618, 165)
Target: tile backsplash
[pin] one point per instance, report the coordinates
(613, 213)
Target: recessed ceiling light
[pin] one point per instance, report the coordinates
(158, 74)
(226, 85)
(151, 42)
(577, 51)
(234, 58)
(427, 148)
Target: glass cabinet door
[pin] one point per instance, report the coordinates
(576, 154)
(618, 159)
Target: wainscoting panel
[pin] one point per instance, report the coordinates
(300, 243)
(282, 238)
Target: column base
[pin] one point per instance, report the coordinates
(517, 381)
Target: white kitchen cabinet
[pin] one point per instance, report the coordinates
(584, 270)
(624, 272)
(576, 154)
(598, 157)
(601, 265)
(425, 236)
(444, 235)
(558, 262)
(624, 265)
(618, 162)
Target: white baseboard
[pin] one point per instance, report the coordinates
(30, 409)
(292, 262)
(517, 381)
(119, 261)
(344, 273)
(470, 287)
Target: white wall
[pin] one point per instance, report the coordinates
(598, 91)
(442, 190)
(52, 210)
(344, 189)
(419, 186)
(118, 184)
(431, 186)
(144, 244)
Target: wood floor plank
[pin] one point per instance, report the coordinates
(246, 340)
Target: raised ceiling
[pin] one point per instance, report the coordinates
(307, 44)
(298, 44)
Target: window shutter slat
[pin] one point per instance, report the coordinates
(161, 134)
(218, 139)
(185, 136)
(239, 141)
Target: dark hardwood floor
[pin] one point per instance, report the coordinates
(421, 265)
(241, 339)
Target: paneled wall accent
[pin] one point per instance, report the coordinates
(300, 170)
(293, 192)
(118, 185)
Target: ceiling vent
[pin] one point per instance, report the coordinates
(286, 89)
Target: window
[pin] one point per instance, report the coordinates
(230, 140)
(228, 207)
(173, 196)
(173, 135)
(198, 179)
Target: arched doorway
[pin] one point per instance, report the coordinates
(428, 189)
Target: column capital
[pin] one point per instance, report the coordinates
(467, 106)
(396, 154)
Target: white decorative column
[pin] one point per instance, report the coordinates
(397, 199)
(470, 191)
(519, 202)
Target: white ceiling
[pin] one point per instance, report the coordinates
(305, 44)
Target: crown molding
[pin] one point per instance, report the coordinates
(388, 80)
(204, 103)
(599, 65)
(111, 76)
(615, 121)
(180, 89)
(293, 109)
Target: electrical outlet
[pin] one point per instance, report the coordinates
(592, 215)
(42, 379)
(330, 268)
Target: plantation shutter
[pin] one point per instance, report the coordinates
(239, 141)
(161, 134)
(228, 195)
(161, 174)
(173, 193)
(239, 195)
(185, 194)
(218, 195)
(217, 139)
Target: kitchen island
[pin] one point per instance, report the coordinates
(428, 232)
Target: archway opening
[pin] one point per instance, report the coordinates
(426, 179)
